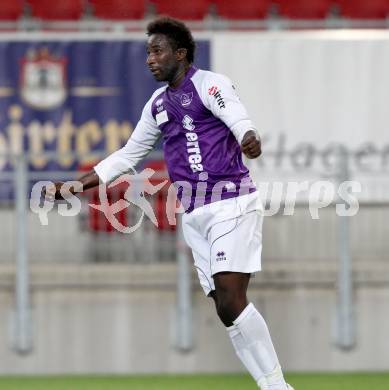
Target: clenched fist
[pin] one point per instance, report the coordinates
(251, 144)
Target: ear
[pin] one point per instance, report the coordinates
(181, 53)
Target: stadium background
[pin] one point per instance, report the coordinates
(77, 297)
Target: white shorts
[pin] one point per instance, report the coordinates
(225, 236)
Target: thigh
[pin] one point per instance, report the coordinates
(231, 282)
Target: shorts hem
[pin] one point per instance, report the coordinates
(243, 271)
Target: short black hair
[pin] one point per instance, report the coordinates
(177, 33)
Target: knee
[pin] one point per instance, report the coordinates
(229, 305)
(223, 310)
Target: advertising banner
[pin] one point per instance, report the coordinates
(315, 96)
(72, 96)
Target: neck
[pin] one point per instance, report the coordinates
(179, 75)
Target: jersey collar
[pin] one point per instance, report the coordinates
(191, 71)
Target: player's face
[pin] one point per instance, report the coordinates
(161, 58)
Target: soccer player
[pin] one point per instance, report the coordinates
(205, 129)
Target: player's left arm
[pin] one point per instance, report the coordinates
(220, 97)
(251, 144)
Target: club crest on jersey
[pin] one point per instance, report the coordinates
(43, 79)
(186, 99)
(216, 93)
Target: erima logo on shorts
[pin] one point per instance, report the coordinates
(216, 93)
(221, 256)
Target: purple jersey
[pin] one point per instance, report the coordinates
(202, 123)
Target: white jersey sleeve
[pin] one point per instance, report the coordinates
(141, 142)
(219, 96)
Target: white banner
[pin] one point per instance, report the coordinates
(314, 95)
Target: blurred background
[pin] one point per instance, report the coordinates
(76, 296)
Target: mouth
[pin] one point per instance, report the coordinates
(154, 71)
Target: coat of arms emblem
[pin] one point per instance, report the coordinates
(43, 80)
(186, 99)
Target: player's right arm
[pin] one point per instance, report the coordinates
(139, 145)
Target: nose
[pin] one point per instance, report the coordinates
(150, 59)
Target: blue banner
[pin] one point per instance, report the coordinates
(72, 96)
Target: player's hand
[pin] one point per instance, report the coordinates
(251, 145)
(52, 192)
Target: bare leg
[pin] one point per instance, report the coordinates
(247, 329)
(230, 295)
